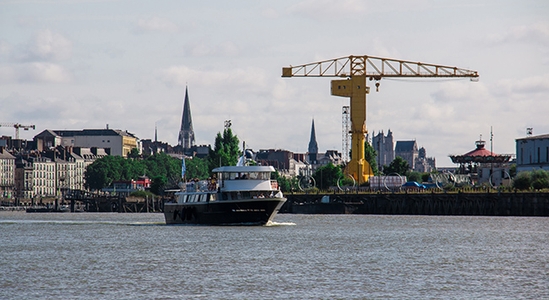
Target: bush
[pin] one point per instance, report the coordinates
(522, 181)
(538, 179)
(540, 183)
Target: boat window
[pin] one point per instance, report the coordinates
(213, 197)
(254, 175)
(203, 198)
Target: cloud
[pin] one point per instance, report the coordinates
(155, 24)
(327, 9)
(204, 49)
(248, 78)
(37, 60)
(46, 46)
(533, 34)
(39, 72)
(270, 13)
(5, 48)
(526, 86)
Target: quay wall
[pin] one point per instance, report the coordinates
(483, 204)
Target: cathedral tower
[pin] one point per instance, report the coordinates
(313, 145)
(186, 133)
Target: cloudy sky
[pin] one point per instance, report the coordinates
(84, 64)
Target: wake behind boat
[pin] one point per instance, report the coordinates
(243, 195)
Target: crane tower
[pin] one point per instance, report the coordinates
(345, 133)
(356, 70)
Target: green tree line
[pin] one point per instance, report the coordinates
(163, 170)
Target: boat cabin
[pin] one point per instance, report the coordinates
(245, 178)
(233, 183)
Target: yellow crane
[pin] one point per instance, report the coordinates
(17, 126)
(356, 70)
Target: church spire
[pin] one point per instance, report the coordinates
(313, 145)
(186, 133)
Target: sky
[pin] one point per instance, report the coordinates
(84, 64)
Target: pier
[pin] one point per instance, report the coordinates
(90, 202)
(459, 203)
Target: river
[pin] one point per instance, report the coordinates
(136, 256)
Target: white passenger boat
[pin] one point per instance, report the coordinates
(240, 195)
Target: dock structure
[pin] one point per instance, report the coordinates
(105, 203)
(482, 204)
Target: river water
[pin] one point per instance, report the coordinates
(136, 256)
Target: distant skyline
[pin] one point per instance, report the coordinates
(87, 63)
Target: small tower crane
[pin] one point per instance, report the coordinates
(17, 126)
(356, 70)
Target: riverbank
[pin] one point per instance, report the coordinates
(459, 203)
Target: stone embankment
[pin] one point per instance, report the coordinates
(485, 204)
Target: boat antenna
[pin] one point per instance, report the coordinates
(244, 153)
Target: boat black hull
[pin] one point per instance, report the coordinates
(242, 212)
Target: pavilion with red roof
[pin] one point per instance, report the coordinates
(474, 161)
(480, 155)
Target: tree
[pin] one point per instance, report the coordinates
(398, 166)
(134, 153)
(102, 172)
(327, 176)
(226, 151)
(197, 168)
(158, 184)
(513, 170)
(415, 176)
(105, 170)
(285, 184)
(161, 164)
(540, 179)
(370, 154)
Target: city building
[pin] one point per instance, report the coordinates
(282, 160)
(43, 178)
(533, 153)
(7, 174)
(408, 151)
(423, 163)
(384, 147)
(114, 141)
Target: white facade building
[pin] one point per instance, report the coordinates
(116, 142)
(533, 153)
(7, 174)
